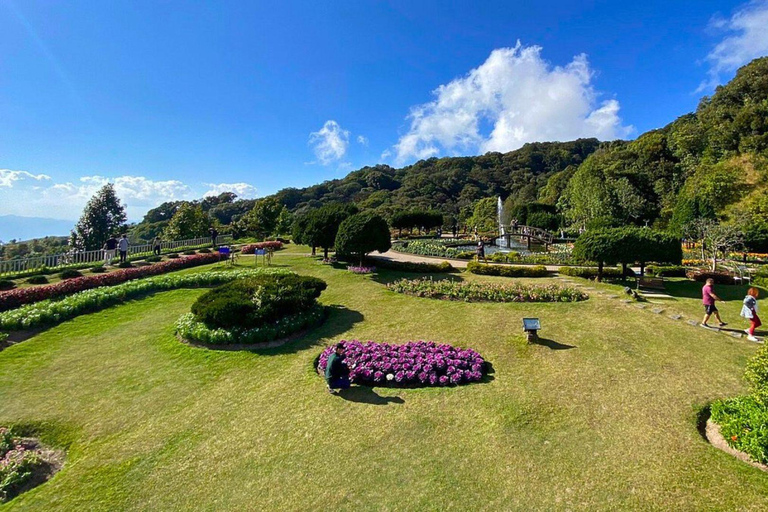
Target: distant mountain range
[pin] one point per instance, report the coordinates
(25, 228)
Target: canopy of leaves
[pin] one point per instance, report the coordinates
(363, 233)
(103, 216)
(189, 221)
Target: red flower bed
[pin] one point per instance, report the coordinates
(20, 296)
(251, 248)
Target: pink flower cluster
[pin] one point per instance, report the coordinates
(361, 270)
(12, 299)
(416, 363)
(271, 244)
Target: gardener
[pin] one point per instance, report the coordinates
(708, 298)
(336, 371)
(749, 311)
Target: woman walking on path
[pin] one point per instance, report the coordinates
(749, 311)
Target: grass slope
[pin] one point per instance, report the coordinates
(601, 415)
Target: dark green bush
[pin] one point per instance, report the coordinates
(153, 259)
(757, 374)
(701, 277)
(173, 255)
(589, 272)
(505, 271)
(189, 253)
(37, 280)
(253, 302)
(6, 284)
(665, 271)
(204, 251)
(743, 422)
(70, 273)
(408, 266)
(125, 264)
(98, 270)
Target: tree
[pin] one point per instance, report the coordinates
(284, 222)
(362, 233)
(716, 238)
(261, 221)
(103, 216)
(485, 215)
(189, 221)
(322, 225)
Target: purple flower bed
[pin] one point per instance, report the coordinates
(361, 270)
(417, 363)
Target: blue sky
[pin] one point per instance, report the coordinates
(177, 99)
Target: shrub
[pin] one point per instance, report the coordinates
(49, 312)
(362, 233)
(37, 280)
(417, 363)
(204, 250)
(665, 271)
(125, 264)
(15, 298)
(254, 302)
(486, 292)
(153, 259)
(19, 465)
(173, 255)
(98, 270)
(757, 374)
(189, 252)
(6, 284)
(700, 276)
(3, 337)
(361, 269)
(408, 266)
(589, 272)
(70, 273)
(501, 270)
(251, 248)
(743, 422)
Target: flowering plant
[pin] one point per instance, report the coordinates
(18, 464)
(329, 261)
(416, 363)
(49, 312)
(471, 291)
(270, 244)
(361, 270)
(14, 298)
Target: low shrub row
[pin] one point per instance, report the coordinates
(505, 271)
(431, 248)
(665, 271)
(702, 276)
(485, 292)
(15, 298)
(418, 363)
(70, 273)
(271, 244)
(557, 255)
(20, 464)
(420, 267)
(590, 272)
(188, 328)
(6, 284)
(743, 420)
(50, 312)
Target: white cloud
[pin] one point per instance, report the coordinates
(362, 140)
(8, 178)
(330, 143)
(521, 96)
(26, 194)
(747, 39)
(243, 190)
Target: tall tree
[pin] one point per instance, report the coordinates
(362, 233)
(189, 221)
(261, 221)
(103, 216)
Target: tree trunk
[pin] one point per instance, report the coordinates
(703, 253)
(313, 250)
(642, 268)
(325, 253)
(600, 271)
(623, 269)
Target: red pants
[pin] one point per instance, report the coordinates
(754, 323)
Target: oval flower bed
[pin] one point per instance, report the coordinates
(470, 291)
(416, 363)
(23, 464)
(258, 309)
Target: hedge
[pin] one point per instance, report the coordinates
(665, 271)
(506, 271)
(589, 272)
(718, 277)
(408, 266)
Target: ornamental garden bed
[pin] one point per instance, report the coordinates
(469, 291)
(257, 310)
(413, 364)
(24, 463)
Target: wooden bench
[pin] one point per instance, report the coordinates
(655, 283)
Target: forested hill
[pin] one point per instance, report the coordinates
(453, 184)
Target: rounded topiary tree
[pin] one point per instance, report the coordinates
(363, 233)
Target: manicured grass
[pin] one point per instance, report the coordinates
(600, 415)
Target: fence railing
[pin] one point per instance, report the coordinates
(77, 258)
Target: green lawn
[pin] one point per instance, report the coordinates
(601, 415)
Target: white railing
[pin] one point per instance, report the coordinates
(77, 258)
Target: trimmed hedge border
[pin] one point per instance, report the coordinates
(506, 271)
(51, 312)
(589, 272)
(468, 291)
(410, 266)
(189, 329)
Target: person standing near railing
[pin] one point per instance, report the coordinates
(214, 235)
(156, 246)
(122, 246)
(109, 249)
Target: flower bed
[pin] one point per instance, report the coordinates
(417, 363)
(18, 297)
(50, 312)
(420, 267)
(702, 276)
(432, 248)
(271, 244)
(21, 463)
(361, 270)
(486, 292)
(188, 328)
(589, 272)
(504, 271)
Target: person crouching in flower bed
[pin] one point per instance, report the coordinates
(336, 372)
